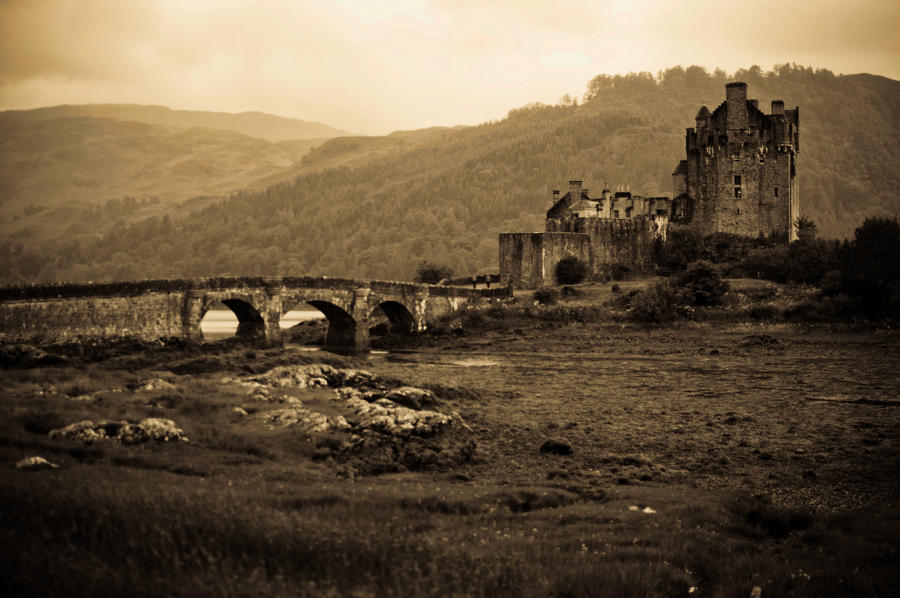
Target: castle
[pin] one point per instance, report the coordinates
(740, 172)
(739, 177)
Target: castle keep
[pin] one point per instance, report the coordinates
(740, 172)
(739, 177)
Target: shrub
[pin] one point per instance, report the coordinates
(546, 296)
(571, 270)
(618, 271)
(701, 284)
(432, 273)
(656, 304)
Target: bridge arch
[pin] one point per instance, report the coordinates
(250, 321)
(401, 319)
(342, 334)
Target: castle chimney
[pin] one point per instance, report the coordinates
(754, 103)
(736, 105)
(586, 191)
(777, 107)
(575, 190)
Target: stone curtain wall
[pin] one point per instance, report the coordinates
(528, 260)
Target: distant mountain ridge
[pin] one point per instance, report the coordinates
(255, 124)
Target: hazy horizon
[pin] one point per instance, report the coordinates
(371, 69)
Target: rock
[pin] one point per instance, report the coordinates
(162, 430)
(556, 447)
(155, 384)
(84, 431)
(411, 397)
(239, 411)
(303, 376)
(309, 420)
(132, 434)
(156, 429)
(388, 417)
(35, 464)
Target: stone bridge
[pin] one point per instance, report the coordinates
(167, 309)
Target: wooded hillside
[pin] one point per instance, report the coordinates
(444, 197)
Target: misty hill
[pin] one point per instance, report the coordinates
(254, 124)
(49, 167)
(445, 197)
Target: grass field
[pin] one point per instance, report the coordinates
(707, 458)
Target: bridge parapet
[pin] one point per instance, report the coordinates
(156, 309)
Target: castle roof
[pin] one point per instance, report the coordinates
(703, 114)
(583, 204)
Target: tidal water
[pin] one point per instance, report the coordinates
(218, 324)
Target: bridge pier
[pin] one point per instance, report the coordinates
(191, 314)
(272, 316)
(360, 314)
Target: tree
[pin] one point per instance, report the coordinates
(432, 273)
(701, 284)
(806, 228)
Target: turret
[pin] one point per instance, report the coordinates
(736, 105)
(777, 107)
(702, 117)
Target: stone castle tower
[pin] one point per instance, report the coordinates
(740, 172)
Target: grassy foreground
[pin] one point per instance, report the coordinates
(707, 459)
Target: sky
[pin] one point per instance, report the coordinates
(374, 66)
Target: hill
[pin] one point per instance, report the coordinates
(59, 160)
(368, 207)
(255, 124)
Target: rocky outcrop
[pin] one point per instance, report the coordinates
(376, 412)
(304, 418)
(316, 375)
(152, 429)
(35, 464)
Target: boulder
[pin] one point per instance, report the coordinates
(35, 464)
(155, 384)
(309, 420)
(84, 431)
(556, 446)
(155, 429)
(412, 397)
(162, 430)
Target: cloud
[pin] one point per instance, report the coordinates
(372, 66)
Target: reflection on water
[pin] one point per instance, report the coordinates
(222, 323)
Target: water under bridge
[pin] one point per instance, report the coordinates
(152, 310)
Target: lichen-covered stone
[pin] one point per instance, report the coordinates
(35, 464)
(308, 420)
(162, 430)
(85, 431)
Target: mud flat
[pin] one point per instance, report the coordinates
(578, 459)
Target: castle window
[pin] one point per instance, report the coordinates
(615, 213)
(776, 191)
(737, 192)
(737, 180)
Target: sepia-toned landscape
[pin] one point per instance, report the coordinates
(538, 312)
